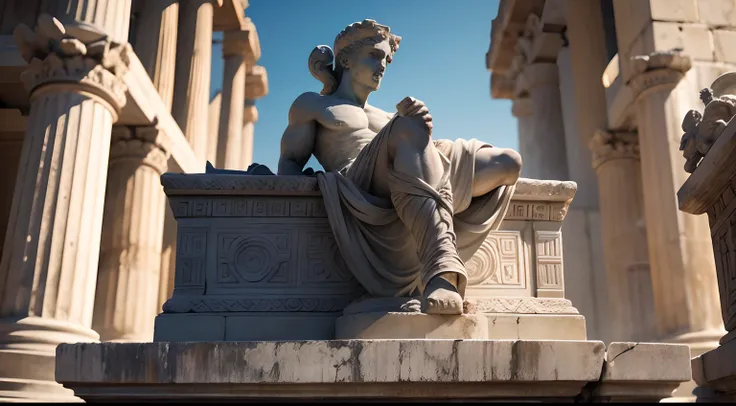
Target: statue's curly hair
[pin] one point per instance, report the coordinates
(327, 67)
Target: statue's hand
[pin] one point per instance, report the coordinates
(410, 106)
(416, 112)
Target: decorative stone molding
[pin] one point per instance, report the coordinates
(140, 143)
(256, 82)
(657, 69)
(243, 42)
(607, 145)
(56, 58)
(525, 305)
(250, 114)
(521, 107)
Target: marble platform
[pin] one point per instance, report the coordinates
(369, 370)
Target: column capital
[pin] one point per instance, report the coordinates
(256, 82)
(522, 107)
(140, 143)
(243, 42)
(656, 69)
(250, 114)
(607, 145)
(55, 58)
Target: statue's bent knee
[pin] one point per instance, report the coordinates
(412, 131)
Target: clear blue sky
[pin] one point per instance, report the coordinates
(441, 61)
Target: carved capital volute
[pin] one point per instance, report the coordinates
(658, 69)
(250, 114)
(57, 61)
(142, 144)
(522, 108)
(256, 82)
(607, 145)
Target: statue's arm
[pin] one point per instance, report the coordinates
(297, 142)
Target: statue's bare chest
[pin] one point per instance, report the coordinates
(343, 118)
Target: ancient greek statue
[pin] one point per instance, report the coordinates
(406, 209)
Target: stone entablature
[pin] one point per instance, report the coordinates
(258, 244)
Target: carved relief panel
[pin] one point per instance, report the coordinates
(548, 255)
(724, 247)
(501, 265)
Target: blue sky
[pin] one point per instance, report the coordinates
(441, 61)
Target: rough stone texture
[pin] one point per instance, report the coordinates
(362, 370)
(717, 12)
(642, 371)
(722, 39)
(380, 325)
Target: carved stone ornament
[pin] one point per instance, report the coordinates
(607, 145)
(658, 68)
(140, 143)
(55, 57)
(702, 130)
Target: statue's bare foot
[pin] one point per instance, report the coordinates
(442, 296)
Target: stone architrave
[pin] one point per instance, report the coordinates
(522, 110)
(239, 50)
(155, 44)
(616, 161)
(49, 265)
(680, 252)
(192, 77)
(130, 254)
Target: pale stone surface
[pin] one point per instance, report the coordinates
(127, 294)
(250, 118)
(370, 370)
(91, 20)
(680, 252)
(213, 125)
(11, 144)
(536, 327)
(522, 110)
(192, 81)
(616, 159)
(155, 44)
(717, 12)
(721, 41)
(47, 284)
(662, 367)
(361, 369)
(168, 258)
(380, 325)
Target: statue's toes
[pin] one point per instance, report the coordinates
(444, 301)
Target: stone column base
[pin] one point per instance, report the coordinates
(699, 342)
(369, 370)
(27, 358)
(715, 374)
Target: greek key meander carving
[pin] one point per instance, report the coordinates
(549, 259)
(225, 206)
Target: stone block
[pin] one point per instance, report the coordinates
(695, 39)
(379, 325)
(716, 369)
(357, 370)
(719, 13)
(536, 327)
(263, 248)
(642, 372)
(674, 10)
(723, 41)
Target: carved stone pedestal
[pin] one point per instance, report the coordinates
(711, 189)
(264, 250)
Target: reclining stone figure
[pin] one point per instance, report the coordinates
(407, 210)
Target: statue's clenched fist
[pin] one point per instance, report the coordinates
(416, 111)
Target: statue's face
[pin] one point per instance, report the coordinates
(368, 63)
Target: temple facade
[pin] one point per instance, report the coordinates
(98, 99)
(600, 88)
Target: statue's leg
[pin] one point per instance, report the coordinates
(495, 167)
(419, 186)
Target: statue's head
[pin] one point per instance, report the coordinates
(362, 51)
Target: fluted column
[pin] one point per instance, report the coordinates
(90, 20)
(132, 230)
(230, 130)
(522, 110)
(547, 147)
(48, 270)
(628, 281)
(192, 82)
(168, 257)
(680, 251)
(250, 118)
(155, 44)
